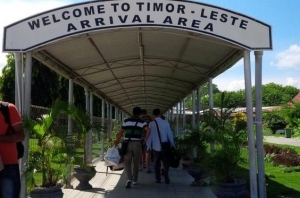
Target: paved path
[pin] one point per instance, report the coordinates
(282, 140)
(113, 186)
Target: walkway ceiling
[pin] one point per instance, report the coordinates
(146, 67)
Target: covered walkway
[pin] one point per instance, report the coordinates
(113, 186)
(147, 54)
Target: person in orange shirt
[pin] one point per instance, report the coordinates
(10, 183)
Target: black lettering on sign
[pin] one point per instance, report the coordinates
(209, 27)
(99, 21)
(85, 24)
(168, 19)
(46, 20)
(34, 24)
(114, 5)
(196, 23)
(243, 24)
(100, 9)
(182, 21)
(136, 18)
(169, 7)
(123, 20)
(125, 7)
(54, 18)
(158, 7)
(202, 13)
(89, 10)
(149, 19)
(65, 15)
(180, 9)
(140, 4)
(111, 20)
(77, 13)
(233, 20)
(71, 27)
(223, 18)
(213, 15)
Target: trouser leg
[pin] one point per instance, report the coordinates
(165, 160)
(137, 151)
(157, 159)
(128, 162)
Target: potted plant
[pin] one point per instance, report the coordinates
(192, 147)
(229, 136)
(50, 151)
(83, 170)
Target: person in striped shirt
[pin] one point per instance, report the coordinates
(132, 129)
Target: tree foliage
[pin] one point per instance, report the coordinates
(8, 79)
(276, 95)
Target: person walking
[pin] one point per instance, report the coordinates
(161, 133)
(10, 183)
(146, 154)
(133, 127)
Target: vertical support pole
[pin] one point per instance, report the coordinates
(177, 119)
(180, 116)
(70, 101)
(249, 108)
(18, 81)
(258, 120)
(211, 106)
(90, 132)
(110, 120)
(193, 109)
(87, 141)
(183, 113)
(103, 128)
(172, 114)
(70, 126)
(197, 109)
(26, 113)
(107, 120)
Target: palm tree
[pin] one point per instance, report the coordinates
(51, 150)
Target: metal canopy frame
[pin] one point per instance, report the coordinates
(146, 67)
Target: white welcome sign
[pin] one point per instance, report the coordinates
(55, 24)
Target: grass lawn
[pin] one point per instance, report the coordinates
(96, 149)
(280, 180)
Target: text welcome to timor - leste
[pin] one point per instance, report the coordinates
(103, 15)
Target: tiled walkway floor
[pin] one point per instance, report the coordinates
(113, 186)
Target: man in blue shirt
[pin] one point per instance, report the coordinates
(160, 133)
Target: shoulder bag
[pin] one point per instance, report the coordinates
(124, 146)
(173, 155)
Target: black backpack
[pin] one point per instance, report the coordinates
(5, 112)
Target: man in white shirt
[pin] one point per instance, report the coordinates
(161, 133)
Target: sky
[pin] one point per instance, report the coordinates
(280, 65)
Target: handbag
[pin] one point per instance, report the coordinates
(173, 154)
(123, 148)
(174, 158)
(112, 157)
(124, 145)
